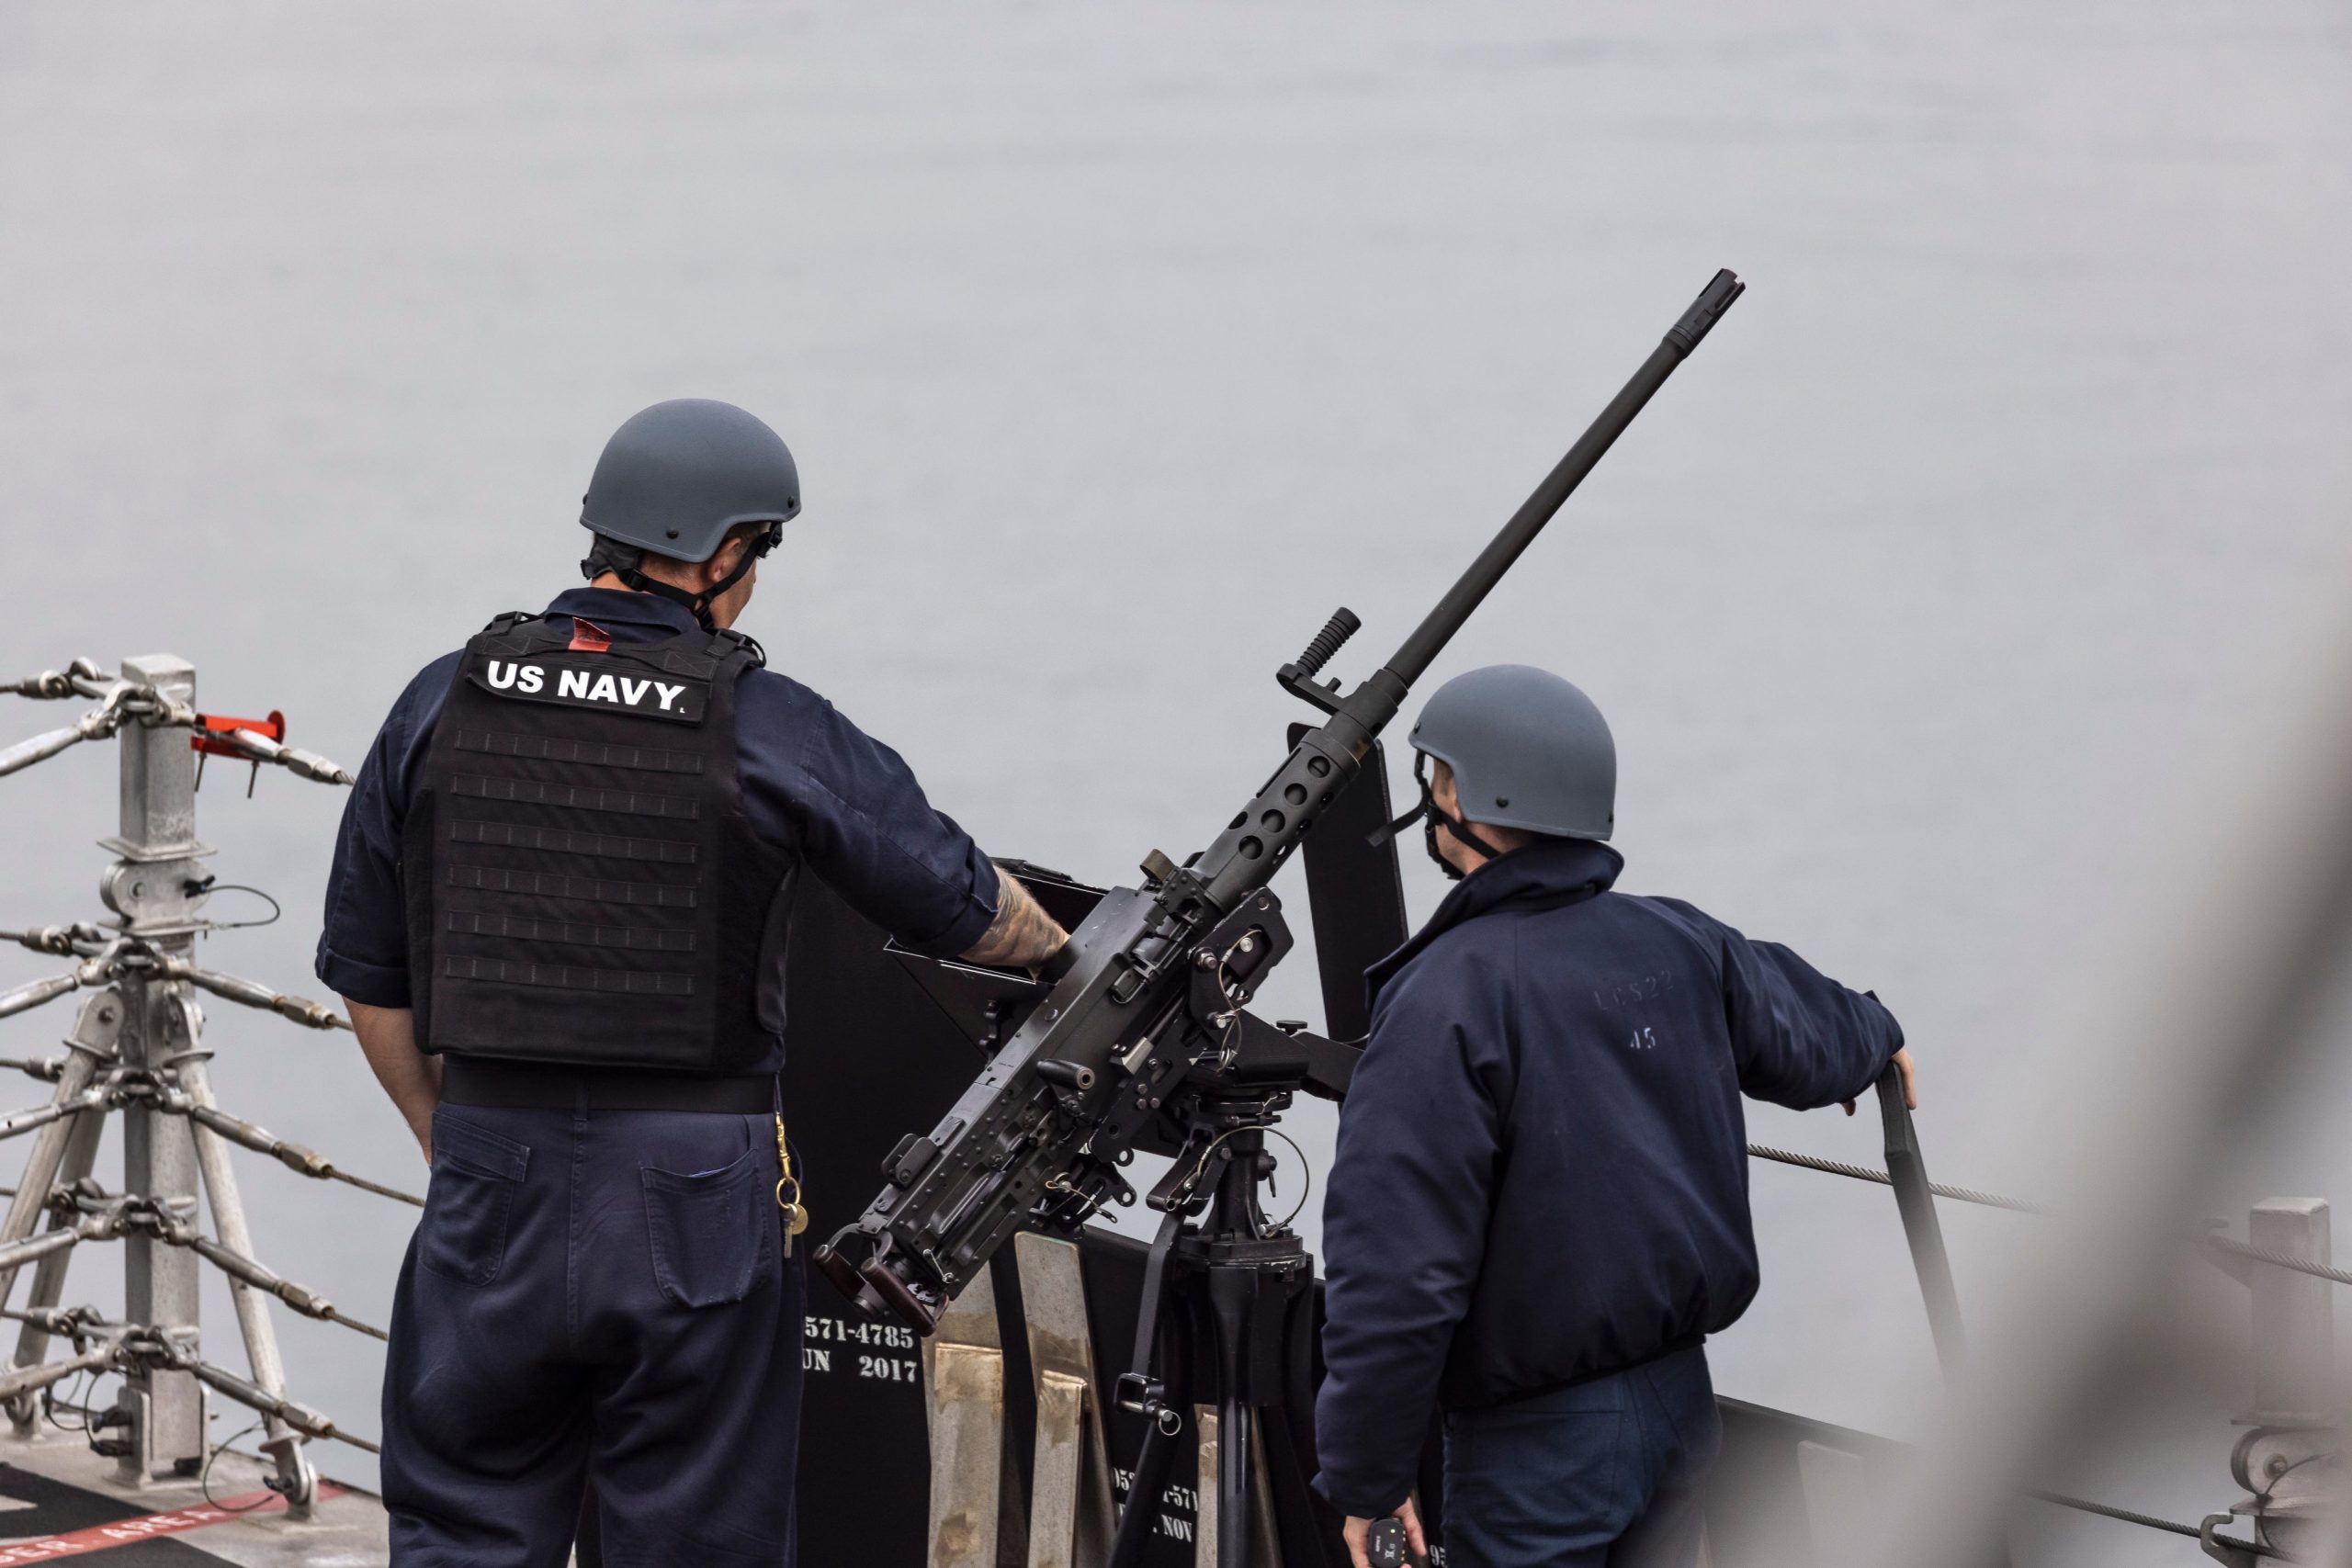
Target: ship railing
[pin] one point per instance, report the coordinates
(136, 1050)
(2288, 1428)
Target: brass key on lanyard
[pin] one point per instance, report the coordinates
(796, 1214)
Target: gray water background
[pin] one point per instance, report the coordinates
(1120, 343)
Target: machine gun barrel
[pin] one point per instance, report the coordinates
(1412, 660)
(1262, 838)
(1147, 1000)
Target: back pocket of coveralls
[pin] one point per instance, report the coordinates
(475, 1172)
(710, 1230)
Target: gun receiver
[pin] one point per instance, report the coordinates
(1147, 1003)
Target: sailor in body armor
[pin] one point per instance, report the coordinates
(1538, 1208)
(556, 915)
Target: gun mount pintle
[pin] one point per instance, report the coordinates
(1145, 1034)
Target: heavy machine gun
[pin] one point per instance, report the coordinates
(1141, 1041)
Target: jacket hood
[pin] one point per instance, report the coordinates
(1548, 871)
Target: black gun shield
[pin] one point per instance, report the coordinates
(1355, 897)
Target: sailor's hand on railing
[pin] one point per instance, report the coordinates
(1901, 1064)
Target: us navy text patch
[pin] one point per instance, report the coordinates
(599, 685)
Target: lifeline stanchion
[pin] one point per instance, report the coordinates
(136, 1048)
(1906, 1169)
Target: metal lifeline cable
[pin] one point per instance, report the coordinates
(2019, 1205)
(302, 1418)
(2150, 1521)
(120, 702)
(260, 1277)
(1864, 1173)
(2282, 1259)
(294, 1157)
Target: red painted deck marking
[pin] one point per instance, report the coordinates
(147, 1527)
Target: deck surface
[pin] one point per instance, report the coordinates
(59, 1500)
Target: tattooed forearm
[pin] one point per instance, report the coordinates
(1022, 933)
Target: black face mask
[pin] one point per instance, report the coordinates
(1432, 820)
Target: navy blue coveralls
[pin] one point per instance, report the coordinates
(1538, 1209)
(601, 1293)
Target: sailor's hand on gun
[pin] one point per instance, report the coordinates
(1901, 1064)
(1022, 935)
(1366, 1549)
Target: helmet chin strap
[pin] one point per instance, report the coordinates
(1461, 830)
(697, 605)
(1431, 820)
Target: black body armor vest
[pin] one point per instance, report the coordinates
(582, 883)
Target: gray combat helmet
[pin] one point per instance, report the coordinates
(679, 475)
(1528, 750)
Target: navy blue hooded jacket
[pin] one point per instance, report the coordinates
(1541, 1174)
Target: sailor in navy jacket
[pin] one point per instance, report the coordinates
(1542, 1174)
